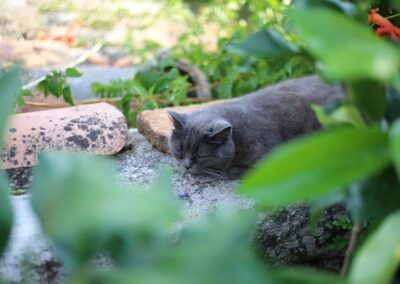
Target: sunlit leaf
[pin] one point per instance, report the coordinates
(312, 166)
(72, 72)
(343, 115)
(264, 44)
(348, 50)
(379, 257)
(67, 95)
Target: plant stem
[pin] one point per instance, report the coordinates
(393, 16)
(77, 61)
(110, 100)
(355, 234)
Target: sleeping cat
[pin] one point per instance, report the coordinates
(225, 139)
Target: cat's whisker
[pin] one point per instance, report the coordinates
(209, 173)
(215, 173)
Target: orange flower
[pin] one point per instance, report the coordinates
(385, 27)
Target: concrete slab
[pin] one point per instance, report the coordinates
(81, 87)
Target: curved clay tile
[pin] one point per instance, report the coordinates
(96, 128)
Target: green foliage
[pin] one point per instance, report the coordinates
(369, 97)
(342, 115)
(56, 84)
(160, 87)
(310, 167)
(375, 197)
(5, 213)
(84, 212)
(379, 258)
(349, 51)
(359, 151)
(10, 86)
(265, 44)
(22, 95)
(343, 222)
(395, 144)
(337, 5)
(230, 71)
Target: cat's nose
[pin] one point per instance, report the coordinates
(187, 163)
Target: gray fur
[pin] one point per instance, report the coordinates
(225, 139)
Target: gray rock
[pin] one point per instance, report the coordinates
(20, 178)
(286, 237)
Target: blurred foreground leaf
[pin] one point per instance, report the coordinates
(374, 198)
(5, 214)
(84, 210)
(370, 98)
(347, 50)
(215, 250)
(339, 5)
(310, 167)
(395, 145)
(343, 115)
(379, 257)
(10, 87)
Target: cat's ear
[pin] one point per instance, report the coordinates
(179, 119)
(221, 131)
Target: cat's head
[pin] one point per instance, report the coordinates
(201, 146)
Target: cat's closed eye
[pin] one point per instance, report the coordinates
(202, 157)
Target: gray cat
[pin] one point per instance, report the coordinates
(225, 139)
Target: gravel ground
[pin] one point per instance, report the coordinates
(200, 194)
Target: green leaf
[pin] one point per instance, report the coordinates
(84, 210)
(375, 197)
(369, 97)
(395, 145)
(55, 86)
(72, 72)
(392, 105)
(43, 87)
(307, 276)
(342, 6)
(10, 87)
(264, 44)
(67, 95)
(6, 214)
(348, 50)
(343, 115)
(310, 167)
(379, 257)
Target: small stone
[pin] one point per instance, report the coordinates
(156, 125)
